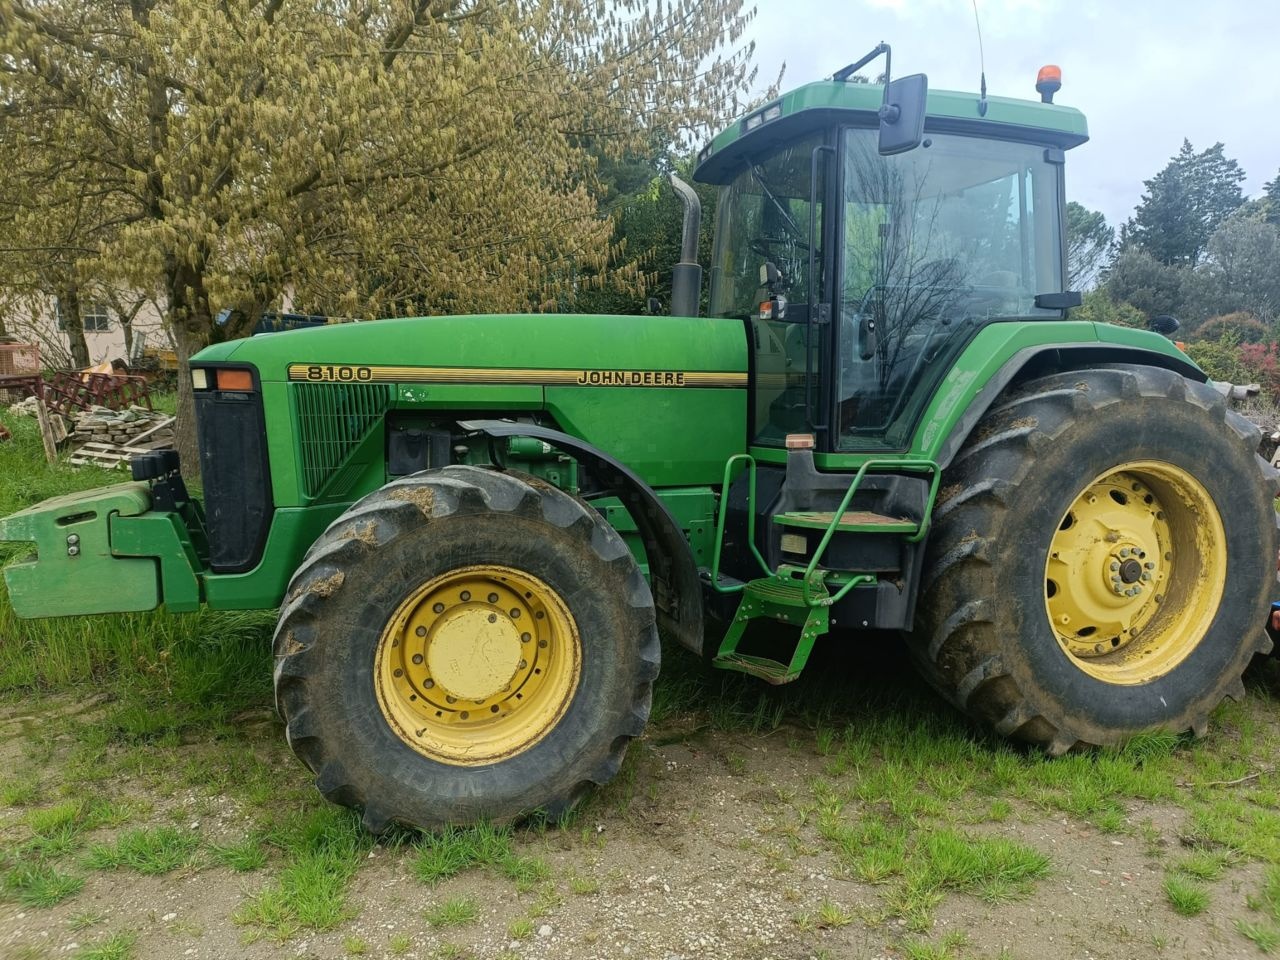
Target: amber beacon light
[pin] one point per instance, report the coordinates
(1048, 82)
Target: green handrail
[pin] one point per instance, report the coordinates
(844, 505)
(809, 599)
(751, 521)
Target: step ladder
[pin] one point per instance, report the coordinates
(801, 597)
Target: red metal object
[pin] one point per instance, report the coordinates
(84, 390)
(20, 368)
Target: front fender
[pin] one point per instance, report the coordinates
(673, 572)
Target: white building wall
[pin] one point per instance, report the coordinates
(38, 322)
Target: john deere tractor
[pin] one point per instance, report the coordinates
(476, 527)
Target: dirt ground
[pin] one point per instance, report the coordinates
(710, 844)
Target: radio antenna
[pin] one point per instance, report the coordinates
(982, 65)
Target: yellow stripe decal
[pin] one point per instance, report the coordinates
(348, 373)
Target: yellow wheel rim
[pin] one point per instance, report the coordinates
(1135, 572)
(477, 664)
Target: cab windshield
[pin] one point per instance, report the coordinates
(935, 243)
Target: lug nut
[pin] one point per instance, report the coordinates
(1114, 566)
(1149, 565)
(73, 539)
(1124, 551)
(73, 551)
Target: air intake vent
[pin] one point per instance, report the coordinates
(332, 420)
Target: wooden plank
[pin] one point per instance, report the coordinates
(136, 441)
(46, 432)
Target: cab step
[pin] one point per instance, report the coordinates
(776, 613)
(851, 521)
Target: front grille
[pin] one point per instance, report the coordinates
(236, 478)
(332, 419)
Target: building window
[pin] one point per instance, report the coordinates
(95, 316)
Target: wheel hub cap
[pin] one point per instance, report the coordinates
(477, 664)
(473, 653)
(1135, 572)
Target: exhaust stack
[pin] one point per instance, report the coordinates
(686, 278)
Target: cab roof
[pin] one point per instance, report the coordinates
(834, 101)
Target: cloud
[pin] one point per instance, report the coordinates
(1146, 73)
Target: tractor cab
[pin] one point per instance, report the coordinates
(863, 275)
(865, 236)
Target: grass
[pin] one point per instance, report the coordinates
(1186, 896)
(243, 857)
(20, 791)
(118, 946)
(323, 848)
(832, 915)
(1264, 936)
(520, 929)
(40, 885)
(447, 853)
(148, 850)
(948, 948)
(453, 913)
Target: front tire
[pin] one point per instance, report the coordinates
(1101, 560)
(465, 644)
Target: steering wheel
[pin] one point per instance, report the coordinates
(765, 246)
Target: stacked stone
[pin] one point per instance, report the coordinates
(26, 407)
(102, 425)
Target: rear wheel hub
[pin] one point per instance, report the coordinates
(1135, 572)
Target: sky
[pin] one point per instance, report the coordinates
(1146, 73)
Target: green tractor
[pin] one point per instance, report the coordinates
(476, 527)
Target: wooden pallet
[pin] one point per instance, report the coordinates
(98, 454)
(110, 455)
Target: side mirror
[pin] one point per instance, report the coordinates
(902, 114)
(1164, 324)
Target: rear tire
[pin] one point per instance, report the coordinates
(1102, 556)
(465, 644)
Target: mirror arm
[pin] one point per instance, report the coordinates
(844, 73)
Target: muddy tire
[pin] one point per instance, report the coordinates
(462, 645)
(1101, 560)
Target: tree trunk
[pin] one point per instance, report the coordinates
(73, 325)
(126, 327)
(191, 325)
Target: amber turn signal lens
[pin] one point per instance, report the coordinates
(800, 441)
(235, 380)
